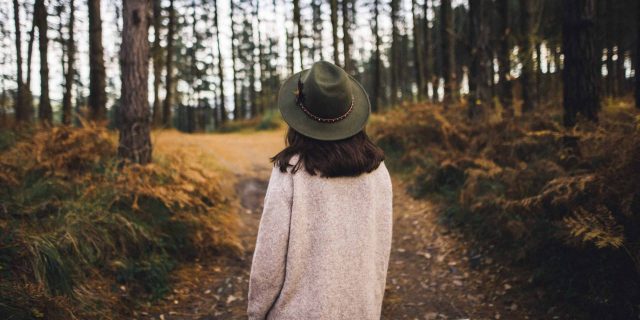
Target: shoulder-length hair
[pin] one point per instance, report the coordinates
(349, 157)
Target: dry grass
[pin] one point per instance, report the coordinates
(81, 234)
(550, 197)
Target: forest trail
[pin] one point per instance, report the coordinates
(433, 272)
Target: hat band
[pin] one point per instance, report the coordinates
(300, 102)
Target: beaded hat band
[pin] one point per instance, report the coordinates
(300, 102)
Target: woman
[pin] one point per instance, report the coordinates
(325, 235)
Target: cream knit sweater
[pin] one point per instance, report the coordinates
(323, 247)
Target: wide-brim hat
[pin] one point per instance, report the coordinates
(324, 103)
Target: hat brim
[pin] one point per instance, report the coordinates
(301, 122)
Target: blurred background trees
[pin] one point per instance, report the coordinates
(214, 61)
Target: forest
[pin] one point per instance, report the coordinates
(135, 139)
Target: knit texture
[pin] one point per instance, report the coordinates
(323, 247)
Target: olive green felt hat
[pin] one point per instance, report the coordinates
(324, 103)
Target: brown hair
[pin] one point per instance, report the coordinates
(349, 157)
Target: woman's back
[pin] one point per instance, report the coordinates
(325, 234)
(334, 259)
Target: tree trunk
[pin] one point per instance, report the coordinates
(236, 99)
(157, 62)
(427, 43)
(580, 73)
(318, 53)
(417, 51)
(223, 109)
(44, 109)
(135, 140)
(395, 52)
(480, 75)
(346, 37)
(637, 67)
(504, 57)
(377, 81)
(264, 91)
(529, 94)
(21, 108)
(97, 77)
(298, 26)
(334, 31)
(448, 53)
(168, 83)
(70, 72)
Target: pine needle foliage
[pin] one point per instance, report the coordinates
(77, 225)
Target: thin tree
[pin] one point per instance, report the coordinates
(334, 31)
(529, 92)
(480, 75)
(44, 109)
(638, 58)
(156, 53)
(70, 72)
(261, 61)
(504, 60)
(377, 81)
(97, 76)
(428, 50)
(417, 50)
(21, 109)
(346, 37)
(448, 53)
(316, 9)
(395, 51)
(236, 99)
(581, 61)
(223, 110)
(298, 26)
(168, 83)
(135, 140)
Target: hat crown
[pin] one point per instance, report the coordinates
(327, 90)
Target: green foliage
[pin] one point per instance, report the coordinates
(7, 139)
(73, 216)
(534, 189)
(270, 120)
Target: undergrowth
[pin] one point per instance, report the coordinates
(82, 234)
(563, 202)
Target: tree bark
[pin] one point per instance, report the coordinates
(318, 53)
(395, 52)
(300, 33)
(157, 62)
(22, 112)
(70, 72)
(529, 92)
(236, 100)
(377, 81)
(580, 73)
(481, 65)
(334, 31)
(448, 53)
(427, 44)
(504, 57)
(346, 37)
(168, 83)
(417, 51)
(223, 109)
(135, 140)
(637, 68)
(45, 113)
(264, 90)
(97, 76)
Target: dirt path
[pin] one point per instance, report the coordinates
(433, 274)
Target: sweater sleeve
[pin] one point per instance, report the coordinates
(269, 258)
